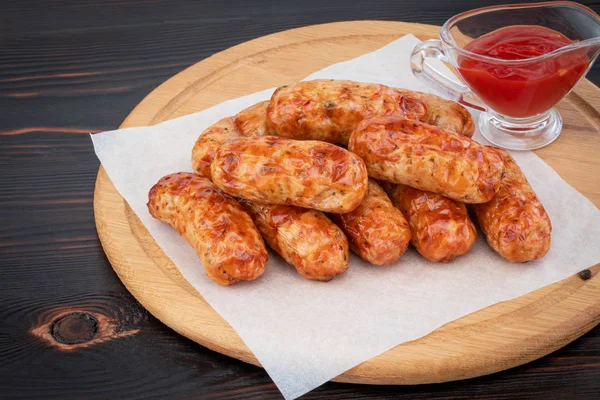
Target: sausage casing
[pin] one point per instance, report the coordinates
(214, 224)
(275, 170)
(447, 114)
(253, 120)
(329, 110)
(441, 228)
(209, 141)
(515, 223)
(305, 238)
(429, 158)
(377, 231)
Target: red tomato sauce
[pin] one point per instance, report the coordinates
(525, 90)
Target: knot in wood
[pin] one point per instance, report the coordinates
(585, 274)
(75, 328)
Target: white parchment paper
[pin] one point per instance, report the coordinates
(305, 333)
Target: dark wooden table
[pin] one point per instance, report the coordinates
(68, 68)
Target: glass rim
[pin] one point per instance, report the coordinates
(448, 40)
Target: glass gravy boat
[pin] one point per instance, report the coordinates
(517, 96)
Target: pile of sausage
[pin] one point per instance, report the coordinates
(328, 165)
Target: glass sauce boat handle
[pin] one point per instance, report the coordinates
(450, 88)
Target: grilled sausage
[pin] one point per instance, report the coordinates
(377, 231)
(213, 223)
(447, 114)
(305, 238)
(329, 110)
(275, 170)
(429, 158)
(208, 142)
(515, 223)
(441, 228)
(253, 120)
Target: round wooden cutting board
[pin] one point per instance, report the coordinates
(496, 338)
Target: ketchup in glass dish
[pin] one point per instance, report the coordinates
(526, 89)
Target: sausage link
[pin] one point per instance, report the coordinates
(214, 224)
(429, 158)
(447, 114)
(377, 231)
(209, 141)
(253, 120)
(275, 170)
(515, 223)
(305, 238)
(441, 228)
(329, 110)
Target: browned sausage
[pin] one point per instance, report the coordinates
(208, 142)
(441, 228)
(275, 170)
(428, 158)
(377, 231)
(447, 114)
(515, 223)
(213, 223)
(329, 110)
(253, 120)
(305, 238)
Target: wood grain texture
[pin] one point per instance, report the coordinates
(496, 338)
(89, 63)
